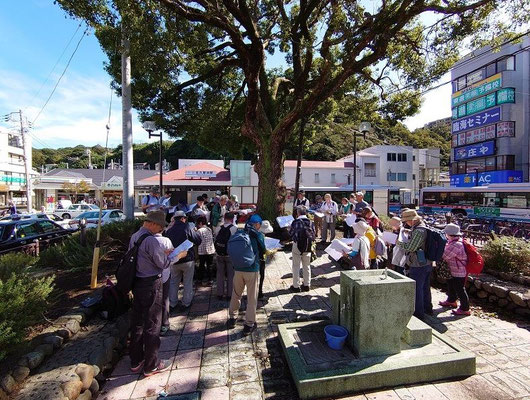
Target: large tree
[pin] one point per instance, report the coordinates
(203, 68)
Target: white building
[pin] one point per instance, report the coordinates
(12, 167)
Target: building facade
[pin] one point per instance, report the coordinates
(491, 116)
(12, 167)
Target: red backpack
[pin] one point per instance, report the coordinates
(475, 262)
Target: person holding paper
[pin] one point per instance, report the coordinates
(218, 212)
(330, 210)
(184, 269)
(197, 209)
(302, 233)
(359, 256)
(369, 216)
(146, 317)
(345, 209)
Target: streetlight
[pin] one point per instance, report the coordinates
(364, 127)
(150, 127)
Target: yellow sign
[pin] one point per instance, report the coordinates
(477, 89)
(4, 188)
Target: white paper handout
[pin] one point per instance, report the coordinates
(350, 219)
(285, 222)
(185, 245)
(272, 244)
(389, 237)
(336, 249)
(318, 214)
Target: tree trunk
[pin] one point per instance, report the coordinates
(271, 189)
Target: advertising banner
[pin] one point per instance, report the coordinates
(478, 89)
(486, 178)
(475, 150)
(506, 129)
(478, 120)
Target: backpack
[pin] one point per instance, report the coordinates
(475, 262)
(306, 237)
(221, 240)
(240, 250)
(126, 271)
(147, 203)
(114, 302)
(380, 247)
(434, 244)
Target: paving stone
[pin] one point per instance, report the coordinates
(150, 386)
(508, 383)
(194, 341)
(215, 355)
(217, 393)
(213, 376)
(183, 380)
(118, 388)
(245, 391)
(216, 338)
(188, 358)
(169, 343)
(279, 388)
(194, 327)
(484, 389)
(427, 392)
(383, 395)
(243, 372)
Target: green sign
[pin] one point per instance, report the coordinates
(488, 85)
(487, 211)
(12, 179)
(506, 95)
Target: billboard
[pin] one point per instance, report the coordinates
(476, 121)
(477, 89)
(486, 178)
(475, 150)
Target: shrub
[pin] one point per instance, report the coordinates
(507, 254)
(22, 299)
(70, 254)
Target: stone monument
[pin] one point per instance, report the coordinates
(386, 345)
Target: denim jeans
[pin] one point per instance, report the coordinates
(422, 276)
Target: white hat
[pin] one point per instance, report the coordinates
(360, 227)
(266, 227)
(452, 230)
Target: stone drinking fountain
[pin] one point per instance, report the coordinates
(386, 345)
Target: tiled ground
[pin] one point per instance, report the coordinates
(210, 362)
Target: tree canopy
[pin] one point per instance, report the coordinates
(204, 69)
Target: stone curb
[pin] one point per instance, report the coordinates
(84, 385)
(507, 295)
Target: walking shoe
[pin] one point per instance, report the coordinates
(448, 304)
(231, 323)
(459, 311)
(162, 366)
(305, 288)
(138, 368)
(294, 289)
(247, 330)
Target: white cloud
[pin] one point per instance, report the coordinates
(76, 114)
(436, 104)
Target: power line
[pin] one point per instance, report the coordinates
(62, 74)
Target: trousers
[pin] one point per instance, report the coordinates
(456, 289)
(225, 273)
(305, 260)
(250, 280)
(182, 272)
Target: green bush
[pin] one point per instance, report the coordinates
(22, 298)
(507, 254)
(70, 254)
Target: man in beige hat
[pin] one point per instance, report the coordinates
(420, 267)
(146, 319)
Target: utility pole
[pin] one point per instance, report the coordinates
(127, 139)
(26, 166)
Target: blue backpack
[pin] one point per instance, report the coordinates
(434, 244)
(240, 250)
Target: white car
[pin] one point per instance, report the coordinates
(52, 217)
(91, 218)
(75, 210)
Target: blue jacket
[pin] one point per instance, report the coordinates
(178, 233)
(257, 241)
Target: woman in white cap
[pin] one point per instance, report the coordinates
(359, 257)
(456, 258)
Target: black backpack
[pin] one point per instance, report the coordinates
(126, 271)
(434, 244)
(114, 302)
(307, 236)
(221, 240)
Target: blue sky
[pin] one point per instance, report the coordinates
(34, 33)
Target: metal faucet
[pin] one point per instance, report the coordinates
(385, 274)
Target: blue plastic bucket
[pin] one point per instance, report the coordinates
(335, 336)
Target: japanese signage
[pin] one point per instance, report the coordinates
(485, 178)
(475, 150)
(487, 211)
(506, 129)
(200, 174)
(114, 183)
(476, 121)
(506, 95)
(476, 135)
(477, 89)
(489, 132)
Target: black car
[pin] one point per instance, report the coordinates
(20, 233)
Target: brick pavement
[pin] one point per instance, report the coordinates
(210, 362)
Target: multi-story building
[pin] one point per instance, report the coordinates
(491, 116)
(12, 167)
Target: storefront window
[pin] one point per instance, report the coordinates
(505, 162)
(476, 165)
(490, 164)
(462, 167)
(490, 70)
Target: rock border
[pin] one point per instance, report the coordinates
(510, 277)
(85, 384)
(507, 295)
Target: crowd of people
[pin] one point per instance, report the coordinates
(239, 256)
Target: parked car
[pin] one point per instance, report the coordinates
(52, 217)
(75, 210)
(15, 234)
(91, 218)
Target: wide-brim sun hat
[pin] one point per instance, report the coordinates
(409, 215)
(157, 217)
(395, 222)
(266, 227)
(452, 230)
(360, 227)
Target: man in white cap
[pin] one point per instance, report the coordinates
(420, 267)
